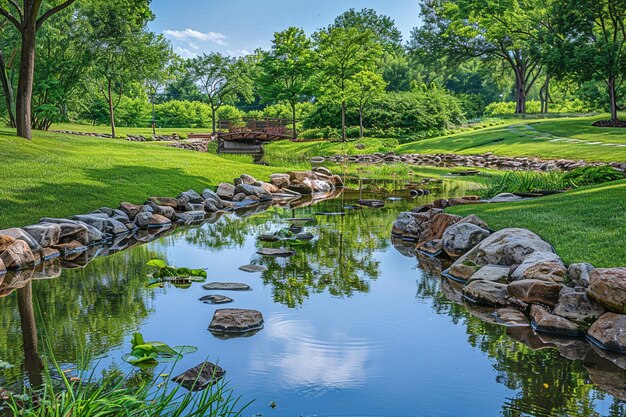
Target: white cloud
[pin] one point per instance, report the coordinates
(194, 45)
(239, 52)
(185, 53)
(194, 35)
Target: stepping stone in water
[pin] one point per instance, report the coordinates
(200, 377)
(236, 322)
(275, 252)
(372, 203)
(216, 299)
(227, 286)
(338, 213)
(253, 268)
(302, 219)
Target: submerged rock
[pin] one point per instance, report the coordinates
(235, 320)
(280, 252)
(216, 299)
(200, 376)
(511, 317)
(253, 268)
(228, 286)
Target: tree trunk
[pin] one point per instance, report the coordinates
(32, 360)
(7, 88)
(111, 109)
(153, 119)
(544, 95)
(293, 115)
(361, 122)
(25, 83)
(520, 89)
(343, 120)
(613, 99)
(213, 121)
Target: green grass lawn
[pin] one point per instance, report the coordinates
(571, 138)
(123, 131)
(585, 225)
(60, 175)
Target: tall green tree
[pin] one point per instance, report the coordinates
(365, 87)
(222, 80)
(286, 69)
(28, 19)
(594, 43)
(383, 27)
(343, 53)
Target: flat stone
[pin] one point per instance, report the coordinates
(226, 286)
(235, 320)
(486, 292)
(200, 376)
(609, 332)
(535, 291)
(494, 273)
(544, 321)
(280, 252)
(608, 287)
(253, 268)
(216, 299)
(511, 317)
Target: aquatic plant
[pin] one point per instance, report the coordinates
(151, 353)
(180, 277)
(523, 182)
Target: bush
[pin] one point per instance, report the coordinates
(183, 114)
(508, 108)
(591, 175)
(523, 182)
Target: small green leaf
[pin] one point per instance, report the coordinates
(158, 263)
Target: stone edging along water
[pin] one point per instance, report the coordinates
(31, 252)
(520, 276)
(485, 160)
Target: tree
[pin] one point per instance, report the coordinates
(365, 87)
(505, 30)
(343, 53)
(28, 19)
(222, 80)
(383, 28)
(5, 78)
(594, 42)
(286, 69)
(122, 50)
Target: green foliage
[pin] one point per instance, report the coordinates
(151, 353)
(179, 276)
(183, 114)
(591, 175)
(567, 107)
(523, 182)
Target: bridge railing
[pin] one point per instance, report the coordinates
(268, 125)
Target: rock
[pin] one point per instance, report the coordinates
(210, 195)
(304, 236)
(279, 252)
(102, 223)
(253, 268)
(486, 292)
(70, 247)
(194, 207)
(579, 273)
(578, 308)
(609, 332)
(6, 242)
(300, 187)
(226, 286)
(435, 228)
(200, 376)
(553, 271)
(505, 247)
(189, 196)
(475, 220)
(3, 270)
(254, 191)
(20, 234)
(235, 320)
(210, 206)
(225, 191)
(544, 321)
(270, 188)
(280, 180)
(17, 255)
(239, 197)
(324, 171)
(432, 248)
(494, 273)
(511, 317)
(165, 211)
(535, 291)
(147, 219)
(608, 287)
(76, 230)
(407, 225)
(131, 210)
(505, 198)
(116, 214)
(216, 299)
(461, 237)
(189, 217)
(248, 179)
(46, 234)
(300, 176)
(164, 201)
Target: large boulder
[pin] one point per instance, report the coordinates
(544, 321)
(253, 190)
(20, 234)
(131, 210)
(164, 201)
(609, 332)
(505, 247)
(460, 238)
(200, 376)
(74, 230)
(475, 220)
(225, 191)
(577, 307)
(189, 196)
(546, 266)
(608, 287)
(46, 234)
(147, 219)
(102, 222)
(235, 320)
(300, 176)
(280, 180)
(535, 291)
(494, 273)
(301, 187)
(16, 253)
(486, 292)
(407, 225)
(436, 226)
(212, 196)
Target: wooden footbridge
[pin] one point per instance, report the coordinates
(247, 136)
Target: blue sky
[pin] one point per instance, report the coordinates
(238, 27)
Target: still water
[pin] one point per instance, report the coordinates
(353, 325)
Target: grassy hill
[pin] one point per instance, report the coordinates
(60, 175)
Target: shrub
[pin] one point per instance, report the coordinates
(591, 175)
(523, 182)
(183, 114)
(532, 106)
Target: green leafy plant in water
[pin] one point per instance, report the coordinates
(151, 353)
(182, 277)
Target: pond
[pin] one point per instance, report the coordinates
(355, 324)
